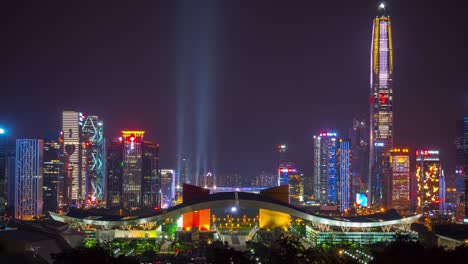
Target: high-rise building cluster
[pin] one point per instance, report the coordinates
(367, 169)
(80, 169)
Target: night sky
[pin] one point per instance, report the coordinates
(235, 78)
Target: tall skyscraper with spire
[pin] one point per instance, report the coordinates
(381, 109)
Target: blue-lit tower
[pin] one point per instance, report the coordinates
(324, 174)
(343, 158)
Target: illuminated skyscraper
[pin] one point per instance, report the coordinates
(72, 147)
(151, 181)
(381, 109)
(52, 174)
(359, 139)
(282, 162)
(332, 170)
(428, 180)
(296, 187)
(460, 168)
(284, 172)
(400, 162)
(167, 186)
(343, 163)
(208, 180)
(140, 173)
(93, 146)
(3, 169)
(115, 166)
(28, 178)
(324, 174)
(132, 164)
(83, 149)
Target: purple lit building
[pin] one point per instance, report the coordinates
(381, 110)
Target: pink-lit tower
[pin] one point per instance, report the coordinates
(381, 110)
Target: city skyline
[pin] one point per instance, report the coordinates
(234, 131)
(299, 75)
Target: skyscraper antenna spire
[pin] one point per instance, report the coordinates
(382, 8)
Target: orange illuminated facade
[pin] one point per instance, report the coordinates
(400, 164)
(428, 180)
(197, 218)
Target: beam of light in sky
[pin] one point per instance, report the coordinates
(196, 84)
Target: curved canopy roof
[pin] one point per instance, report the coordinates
(242, 200)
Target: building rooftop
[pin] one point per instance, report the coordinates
(111, 215)
(453, 231)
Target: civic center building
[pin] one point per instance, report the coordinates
(202, 216)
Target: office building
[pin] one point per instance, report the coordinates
(359, 140)
(324, 173)
(93, 160)
(263, 180)
(231, 180)
(74, 192)
(28, 179)
(442, 193)
(343, 164)
(381, 110)
(115, 166)
(284, 171)
(296, 188)
(332, 170)
(132, 165)
(52, 175)
(133, 172)
(428, 181)
(400, 164)
(151, 181)
(167, 187)
(459, 169)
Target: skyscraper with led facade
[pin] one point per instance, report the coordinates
(332, 170)
(428, 181)
(324, 174)
(343, 158)
(400, 162)
(72, 148)
(381, 109)
(83, 149)
(94, 158)
(28, 179)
